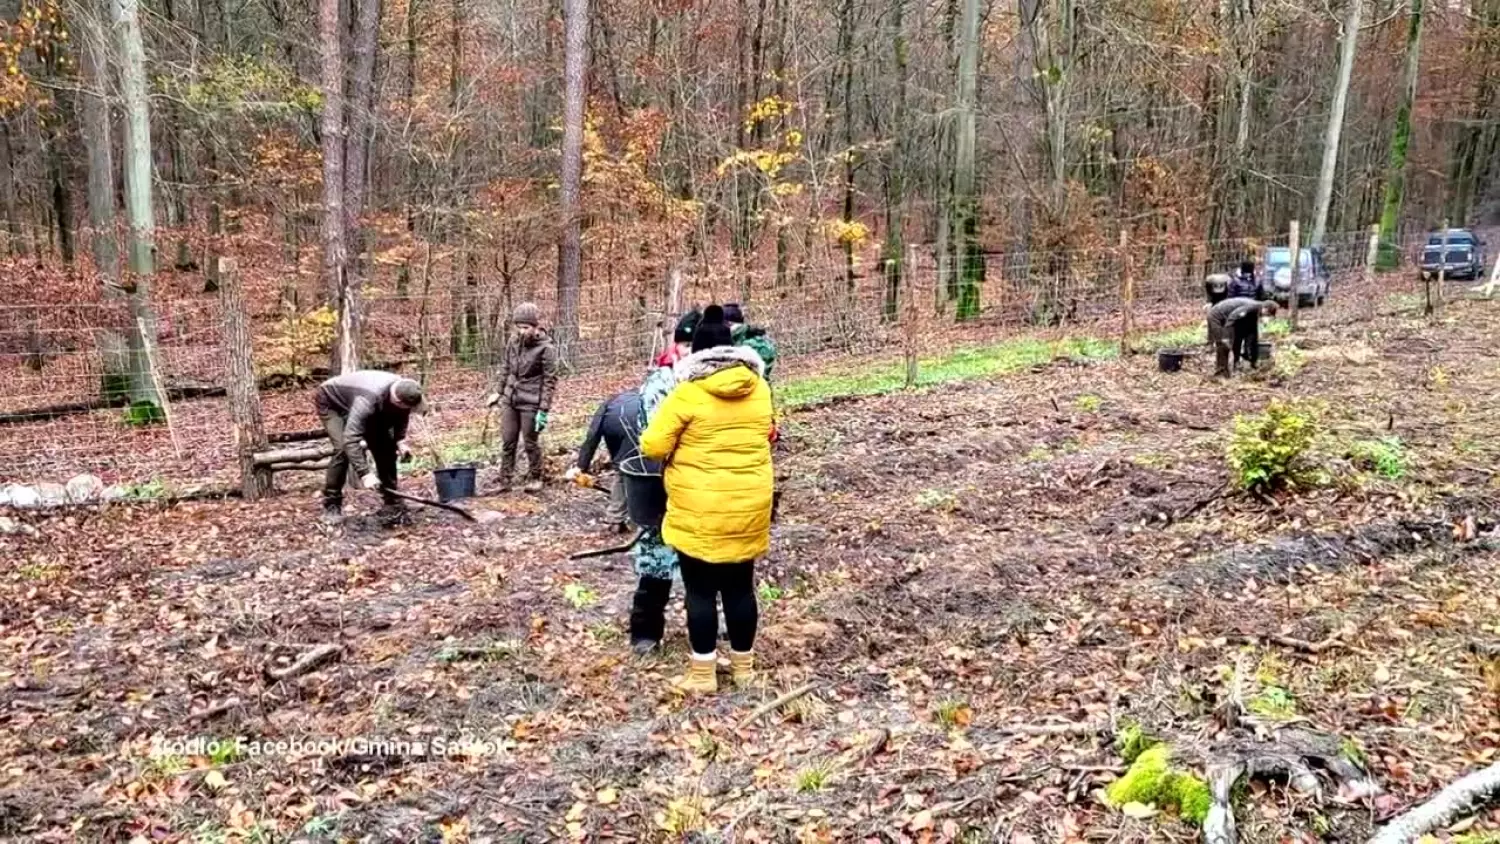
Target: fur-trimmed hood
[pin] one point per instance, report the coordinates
(701, 364)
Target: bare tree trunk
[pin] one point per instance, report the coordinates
(139, 216)
(244, 398)
(331, 125)
(360, 122)
(98, 139)
(894, 252)
(570, 246)
(1332, 134)
(970, 264)
(12, 190)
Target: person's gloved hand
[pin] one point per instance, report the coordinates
(541, 421)
(492, 399)
(403, 451)
(371, 481)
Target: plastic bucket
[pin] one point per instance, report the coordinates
(1170, 360)
(1263, 350)
(454, 483)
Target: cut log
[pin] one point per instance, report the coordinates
(295, 455)
(296, 436)
(314, 466)
(1462, 798)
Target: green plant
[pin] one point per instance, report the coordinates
(579, 595)
(144, 412)
(1274, 702)
(953, 713)
(39, 571)
(1385, 457)
(769, 592)
(814, 778)
(152, 490)
(936, 499)
(224, 752)
(606, 632)
(1089, 403)
(1132, 741)
(1290, 360)
(1273, 449)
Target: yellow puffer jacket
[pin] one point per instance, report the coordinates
(713, 432)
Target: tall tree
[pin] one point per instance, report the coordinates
(1332, 135)
(969, 262)
(570, 244)
(1395, 175)
(335, 226)
(892, 255)
(139, 217)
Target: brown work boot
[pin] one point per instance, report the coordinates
(701, 677)
(742, 667)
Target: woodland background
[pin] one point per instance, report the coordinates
(401, 173)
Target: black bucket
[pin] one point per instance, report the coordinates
(1263, 350)
(1170, 360)
(454, 483)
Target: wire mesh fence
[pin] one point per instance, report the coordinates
(441, 313)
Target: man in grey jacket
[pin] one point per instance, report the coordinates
(1234, 328)
(526, 383)
(367, 408)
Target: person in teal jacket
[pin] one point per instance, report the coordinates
(752, 336)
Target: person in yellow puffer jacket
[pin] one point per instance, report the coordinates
(713, 434)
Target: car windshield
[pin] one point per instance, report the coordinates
(1278, 258)
(1455, 239)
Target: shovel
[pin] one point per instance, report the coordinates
(428, 502)
(605, 552)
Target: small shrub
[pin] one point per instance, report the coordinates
(813, 779)
(1290, 360)
(579, 595)
(1089, 403)
(1385, 457)
(769, 592)
(1273, 449)
(953, 713)
(143, 412)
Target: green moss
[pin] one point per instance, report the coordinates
(1154, 780)
(143, 412)
(1274, 702)
(1132, 741)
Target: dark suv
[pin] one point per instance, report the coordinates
(1465, 258)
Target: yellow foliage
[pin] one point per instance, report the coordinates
(300, 339)
(767, 109)
(848, 232)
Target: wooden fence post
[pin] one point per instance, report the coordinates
(1442, 270)
(909, 315)
(244, 398)
(1372, 254)
(1294, 241)
(1127, 294)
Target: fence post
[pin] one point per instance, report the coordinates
(1294, 241)
(1372, 254)
(1442, 270)
(909, 315)
(1127, 294)
(244, 397)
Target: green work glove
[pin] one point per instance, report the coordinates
(541, 421)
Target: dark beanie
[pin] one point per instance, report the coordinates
(732, 313)
(686, 324)
(711, 330)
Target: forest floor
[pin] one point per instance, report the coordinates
(1060, 544)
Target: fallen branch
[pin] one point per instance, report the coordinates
(767, 708)
(1331, 643)
(304, 664)
(1464, 797)
(1087, 728)
(294, 455)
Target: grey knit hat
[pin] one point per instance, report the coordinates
(526, 313)
(409, 393)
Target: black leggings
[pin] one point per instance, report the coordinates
(704, 583)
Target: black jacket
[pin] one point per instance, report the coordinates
(617, 423)
(1245, 286)
(363, 399)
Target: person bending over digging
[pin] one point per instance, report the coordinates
(617, 423)
(1234, 328)
(367, 408)
(713, 435)
(527, 381)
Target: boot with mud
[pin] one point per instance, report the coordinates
(701, 678)
(394, 514)
(643, 647)
(742, 668)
